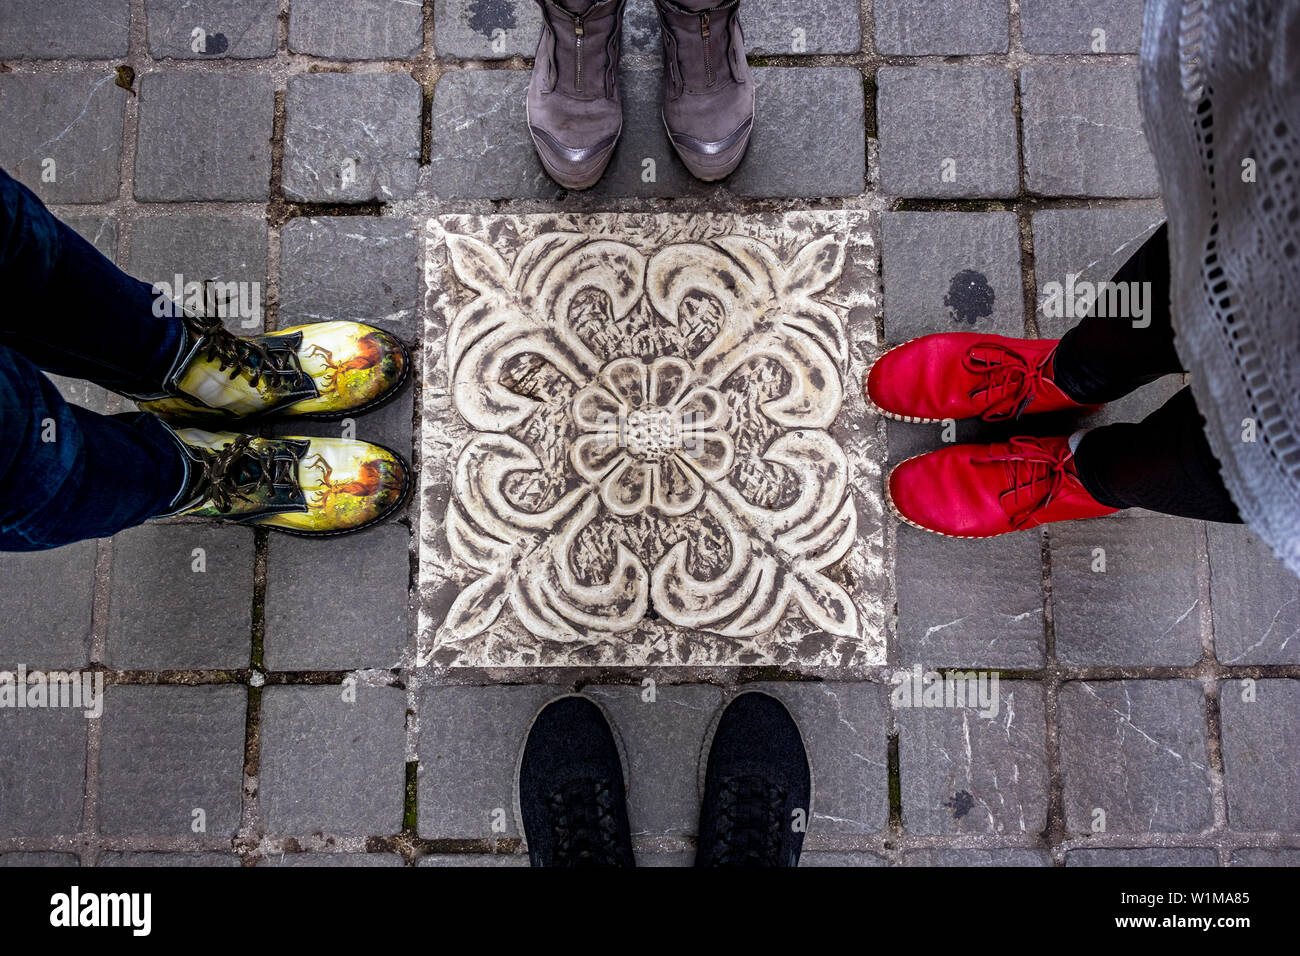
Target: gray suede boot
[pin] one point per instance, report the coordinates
(574, 112)
(708, 89)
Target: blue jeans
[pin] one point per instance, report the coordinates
(66, 473)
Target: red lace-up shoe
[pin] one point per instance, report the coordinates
(966, 375)
(978, 491)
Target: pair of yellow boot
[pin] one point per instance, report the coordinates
(307, 486)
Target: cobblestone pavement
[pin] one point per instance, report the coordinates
(269, 700)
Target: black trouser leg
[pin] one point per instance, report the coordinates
(1162, 464)
(1107, 356)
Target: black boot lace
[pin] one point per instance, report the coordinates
(750, 822)
(242, 356)
(584, 825)
(237, 470)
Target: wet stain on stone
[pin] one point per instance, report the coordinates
(488, 15)
(961, 804)
(969, 298)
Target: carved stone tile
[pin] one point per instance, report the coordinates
(644, 441)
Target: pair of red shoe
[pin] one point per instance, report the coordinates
(978, 491)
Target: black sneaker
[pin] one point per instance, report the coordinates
(572, 802)
(757, 787)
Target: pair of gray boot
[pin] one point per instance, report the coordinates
(575, 115)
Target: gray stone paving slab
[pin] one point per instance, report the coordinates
(824, 858)
(1126, 592)
(1082, 132)
(99, 231)
(962, 772)
(1134, 407)
(47, 633)
(1255, 599)
(951, 272)
(1250, 856)
(351, 268)
(356, 29)
(644, 162)
(55, 29)
(1010, 856)
(115, 858)
(212, 29)
(332, 765)
(83, 393)
(351, 137)
(641, 29)
(662, 737)
(1067, 26)
(338, 604)
(1261, 724)
(215, 249)
(1142, 856)
(204, 136)
(61, 134)
(42, 768)
(843, 727)
(924, 27)
(663, 860)
(171, 760)
(180, 596)
(819, 26)
(969, 603)
(475, 30)
(332, 860)
(1133, 756)
(470, 742)
(947, 132)
(910, 438)
(473, 859)
(38, 859)
(480, 146)
(1091, 245)
(779, 161)
(484, 30)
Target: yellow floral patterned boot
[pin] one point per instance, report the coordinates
(304, 486)
(323, 370)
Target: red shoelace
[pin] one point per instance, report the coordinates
(1035, 474)
(1011, 381)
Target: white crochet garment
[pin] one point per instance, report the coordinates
(1221, 103)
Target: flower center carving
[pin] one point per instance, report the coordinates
(652, 433)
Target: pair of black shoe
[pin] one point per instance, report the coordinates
(757, 788)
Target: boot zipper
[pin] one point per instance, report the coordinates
(577, 42)
(704, 35)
